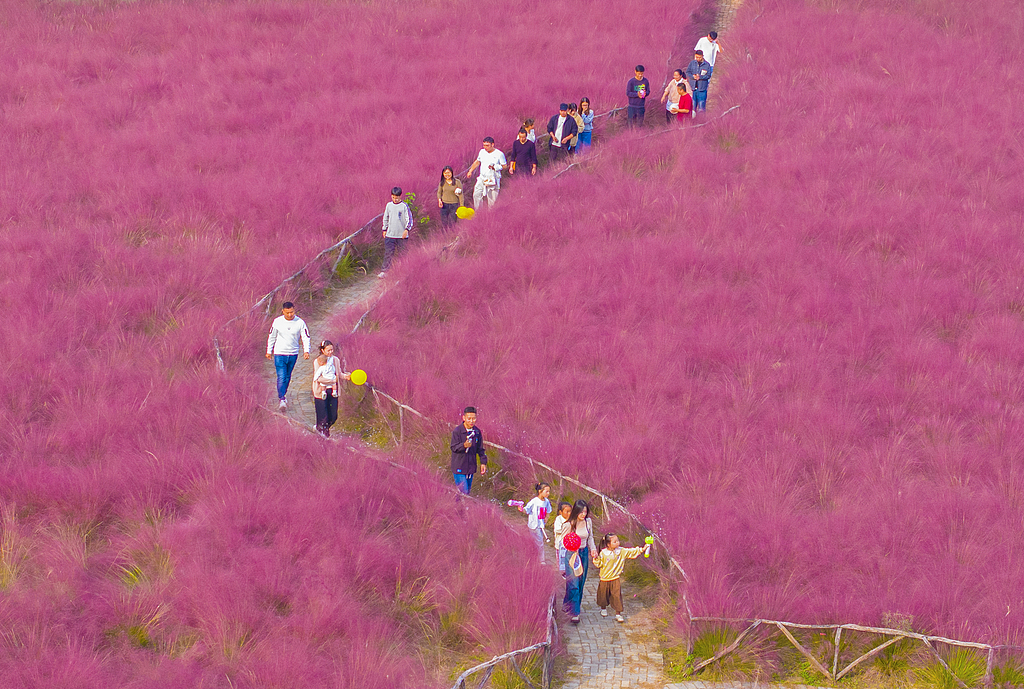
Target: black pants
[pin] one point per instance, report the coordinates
(635, 115)
(448, 216)
(326, 412)
(558, 152)
(392, 246)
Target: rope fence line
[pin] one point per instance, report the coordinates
(835, 674)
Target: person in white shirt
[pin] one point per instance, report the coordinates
(286, 333)
(491, 162)
(709, 44)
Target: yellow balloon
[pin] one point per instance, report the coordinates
(358, 376)
(464, 212)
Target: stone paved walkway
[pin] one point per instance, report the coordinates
(610, 655)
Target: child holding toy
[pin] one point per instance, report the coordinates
(611, 561)
(537, 511)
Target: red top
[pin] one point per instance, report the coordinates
(685, 103)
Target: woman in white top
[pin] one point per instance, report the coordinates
(327, 376)
(579, 522)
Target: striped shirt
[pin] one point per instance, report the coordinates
(612, 562)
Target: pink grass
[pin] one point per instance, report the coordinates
(166, 164)
(790, 339)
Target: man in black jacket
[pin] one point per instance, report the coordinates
(561, 129)
(467, 444)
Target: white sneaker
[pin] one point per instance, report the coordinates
(380, 274)
(283, 405)
(618, 618)
(604, 613)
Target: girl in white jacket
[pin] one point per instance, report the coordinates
(537, 510)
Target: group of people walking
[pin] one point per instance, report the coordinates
(575, 550)
(686, 93)
(573, 528)
(569, 132)
(288, 335)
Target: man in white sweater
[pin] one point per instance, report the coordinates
(286, 333)
(710, 47)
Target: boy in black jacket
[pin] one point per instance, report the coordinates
(467, 445)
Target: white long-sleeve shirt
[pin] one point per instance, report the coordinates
(710, 48)
(285, 336)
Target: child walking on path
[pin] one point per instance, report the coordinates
(611, 562)
(537, 512)
(286, 332)
(396, 225)
(564, 510)
(327, 375)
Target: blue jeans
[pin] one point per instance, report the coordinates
(700, 100)
(584, 143)
(573, 600)
(463, 482)
(283, 364)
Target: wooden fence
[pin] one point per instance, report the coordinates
(830, 667)
(606, 501)
(547, 647)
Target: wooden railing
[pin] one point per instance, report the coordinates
(342, 247)
(512, 657)
(606, 501)
(831, 670)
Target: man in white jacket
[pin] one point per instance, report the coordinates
(283, 347)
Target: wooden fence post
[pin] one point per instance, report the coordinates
(341, 255)
(835, 657)
(944, 664)
(874, 651)
(806, 654)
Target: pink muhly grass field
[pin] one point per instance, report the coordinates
(164, 165)
(792, 340)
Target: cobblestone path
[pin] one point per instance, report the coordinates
(612, 655)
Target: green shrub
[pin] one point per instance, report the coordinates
(966, 663)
